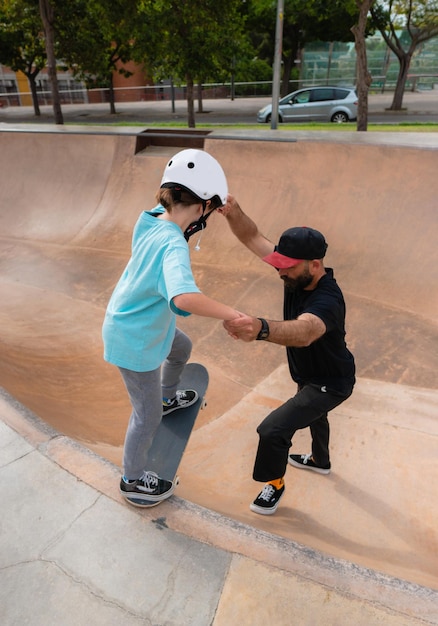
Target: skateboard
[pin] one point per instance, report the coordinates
(173, 433)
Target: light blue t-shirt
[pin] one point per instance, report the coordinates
(140, 320)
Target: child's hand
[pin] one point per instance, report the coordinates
(243, 327)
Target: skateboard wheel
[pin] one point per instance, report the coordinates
(203, 404)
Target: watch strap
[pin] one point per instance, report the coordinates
(264, 331)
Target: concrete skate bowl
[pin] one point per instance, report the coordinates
(68, 205)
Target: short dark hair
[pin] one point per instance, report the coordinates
(169, 196)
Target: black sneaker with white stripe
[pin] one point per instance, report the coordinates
(148, 488)
(305, 461)
(183, 399)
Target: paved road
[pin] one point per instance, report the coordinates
(419, 107)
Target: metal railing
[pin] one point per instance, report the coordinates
(209, 91)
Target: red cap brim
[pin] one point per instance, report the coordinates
(280, 261)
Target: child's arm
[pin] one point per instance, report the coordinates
(199, 304)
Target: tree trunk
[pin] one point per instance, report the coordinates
(31, 77)
(363, 76)
(112, 99)
(190, 103)
(200, 103)
(47, 17)
(289, 62)
(405, 62)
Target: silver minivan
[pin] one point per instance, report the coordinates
(315, 104)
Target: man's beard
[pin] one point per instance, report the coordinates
(301, 282)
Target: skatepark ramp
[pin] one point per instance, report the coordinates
(68, 204)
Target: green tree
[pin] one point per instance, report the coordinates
(189, 41)
(304, 21)
(405, 24)
(96, 38)
(22, 44)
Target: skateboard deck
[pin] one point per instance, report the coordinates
(173, 433)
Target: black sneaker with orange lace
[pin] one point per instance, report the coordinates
(267, 501)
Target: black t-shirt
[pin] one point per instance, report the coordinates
(327, 361)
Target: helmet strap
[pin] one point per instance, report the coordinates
(200, 224)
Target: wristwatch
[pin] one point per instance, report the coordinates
(264, 332)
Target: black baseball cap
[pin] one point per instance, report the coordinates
(297, 244)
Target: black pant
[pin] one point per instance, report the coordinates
(309, 407)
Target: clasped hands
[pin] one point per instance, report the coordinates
(243, 327)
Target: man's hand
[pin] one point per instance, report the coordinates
(245, 327)
(230, 208)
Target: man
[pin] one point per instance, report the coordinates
(313, 331)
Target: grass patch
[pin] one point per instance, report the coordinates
(417, 127)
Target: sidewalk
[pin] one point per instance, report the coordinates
(225, 110)
(73, 553)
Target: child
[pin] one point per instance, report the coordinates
(139, 331)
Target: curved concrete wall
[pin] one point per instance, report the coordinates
(69, 202)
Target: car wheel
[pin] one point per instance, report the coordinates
(268, 118)
(339, 118)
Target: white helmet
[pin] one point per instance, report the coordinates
(198, 172)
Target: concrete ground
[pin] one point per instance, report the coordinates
(357, 547)
(72, 553)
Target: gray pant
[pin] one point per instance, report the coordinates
(146, 391)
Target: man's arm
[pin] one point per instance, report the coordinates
(245, 229)
(298, 333)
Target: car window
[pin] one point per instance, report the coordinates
(301, 98)
(319, 95)
(340, 94)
